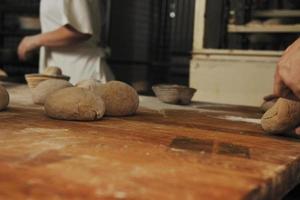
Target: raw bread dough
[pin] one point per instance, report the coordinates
(90, 84)
(3, 73)
(254, 23)
(282, 117)
(4, 98)
(120, 99)
(74, 103)
(274, 21)
(45, 88)
(53, 71)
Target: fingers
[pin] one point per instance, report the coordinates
(270, 97)
(288, 88)
(284, 81)
(278, 83)
(27, 46)
(297, 131)
(22, 50)
(21, 54)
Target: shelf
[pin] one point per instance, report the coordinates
(19, 63)
(277, 13)
(20, 9)
(226, 52)
(295, 28)
(19, 32)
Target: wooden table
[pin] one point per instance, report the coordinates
(205, 151)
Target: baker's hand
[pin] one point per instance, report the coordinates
(27, 45)
(287, 76)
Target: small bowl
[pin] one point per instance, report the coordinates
(3, 74)
(34, 79)
(174, 94)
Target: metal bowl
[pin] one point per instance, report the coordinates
(174, 94)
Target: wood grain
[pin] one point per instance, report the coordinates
(157, 154)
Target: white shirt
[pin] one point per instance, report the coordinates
(80, 61)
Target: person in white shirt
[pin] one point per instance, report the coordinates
(69, 40)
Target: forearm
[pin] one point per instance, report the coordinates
(63, 36)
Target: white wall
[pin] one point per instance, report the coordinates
(232, 81)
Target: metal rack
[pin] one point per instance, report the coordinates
(264, 24)
(151, 40)
(11, 34)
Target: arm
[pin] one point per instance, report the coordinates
(62, 37)
(287, 76)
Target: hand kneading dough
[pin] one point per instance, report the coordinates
(120, 99)
(45, 88)
(90, 84)
(74, 104)
(282, 117)
(4, 98)
(53, 71)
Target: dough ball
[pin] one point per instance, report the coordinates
(254, 23)
(45, 88)
(3, 73)
(4, 98)
(90, 84)
(120, 99)
(53, 71)
(282, 117)
(74, 103)
(273, 21)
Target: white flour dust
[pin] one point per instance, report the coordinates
(242, 119)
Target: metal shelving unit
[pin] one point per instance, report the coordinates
(265, 26)
(11, 34)
(151, 40)
(13, 8)
(18, 33)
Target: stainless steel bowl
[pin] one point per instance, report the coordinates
(174, 94)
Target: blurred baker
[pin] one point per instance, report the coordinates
(69, 39)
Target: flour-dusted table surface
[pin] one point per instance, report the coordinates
(203, 151)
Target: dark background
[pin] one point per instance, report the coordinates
(147, 45)
(150, 41)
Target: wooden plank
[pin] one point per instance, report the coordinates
(199, 24)
(277, 13)
(295, 28)
(233, 52)
(157, 154)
